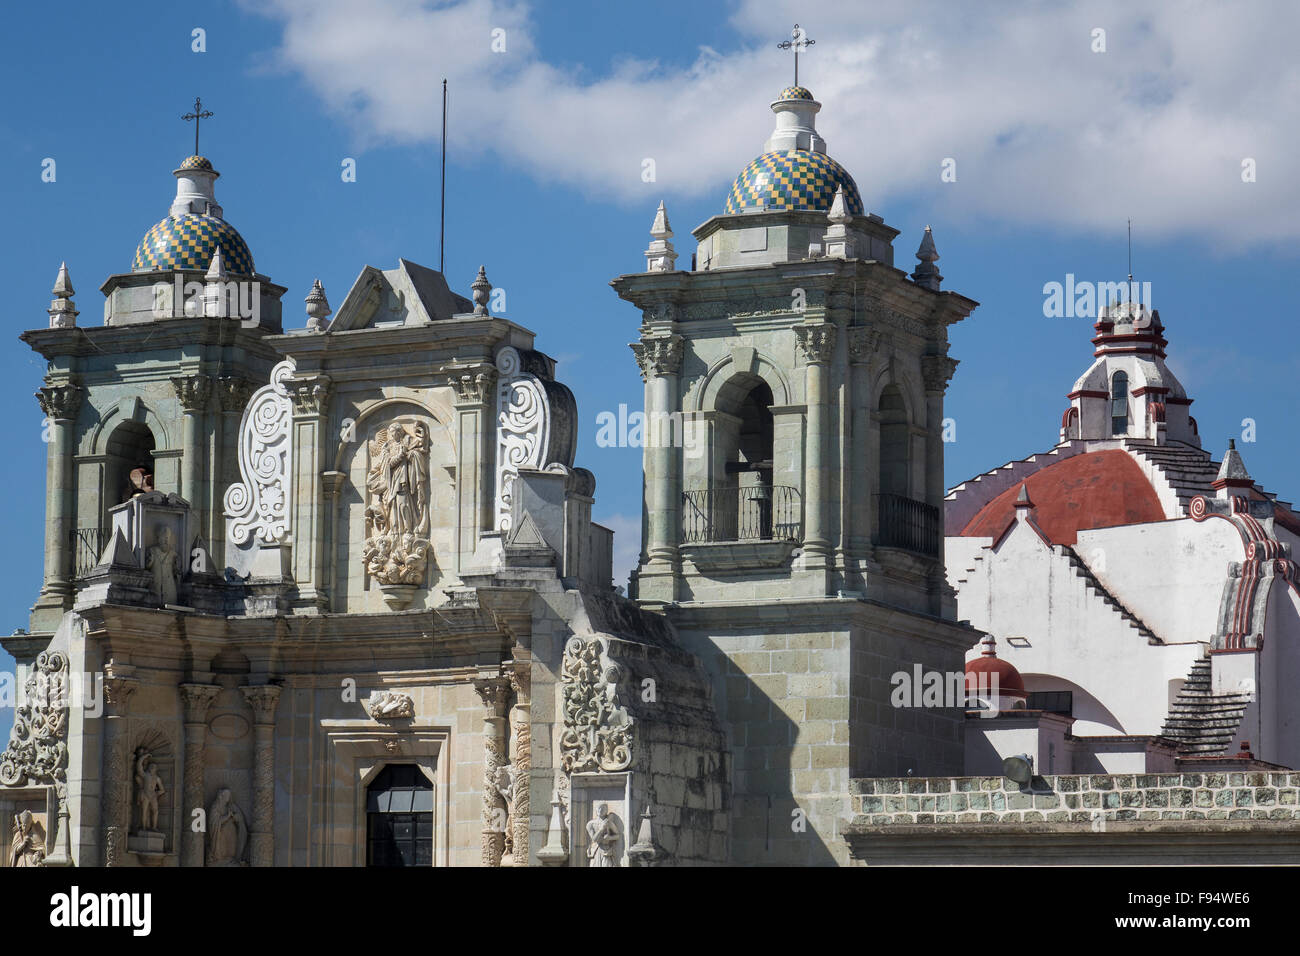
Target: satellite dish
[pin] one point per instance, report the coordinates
(1019, 768)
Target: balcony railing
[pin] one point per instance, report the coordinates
(87, 545)
(907, 523)
(751, 513)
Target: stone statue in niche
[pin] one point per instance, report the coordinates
(396, 549)
(148, 788)
(602, 838)
(227, 831)
(28, 845)
(164, 562)
(503, 782)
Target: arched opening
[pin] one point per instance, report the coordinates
(749, 465)
(1119, 403)
(895, 443)
(399, 818)
(128, 463)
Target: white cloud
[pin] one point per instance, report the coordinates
(1044, 130)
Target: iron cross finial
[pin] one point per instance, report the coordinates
(198, 115)
(799, 40)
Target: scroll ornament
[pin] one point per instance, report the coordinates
(260, 503)
(37, 749)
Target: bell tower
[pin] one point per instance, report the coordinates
(794, 385)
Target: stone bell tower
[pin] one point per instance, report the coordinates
(794, 383)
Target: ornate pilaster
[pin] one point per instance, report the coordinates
(310, 394)
(263, 699)
(660, 357)
(115, 781)
(196, 699)
(61, 404)
(863, 343)
(193, 392)
(474, 400)
(494, 691)
(521, 683)
(817, 345)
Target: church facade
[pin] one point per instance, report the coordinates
(327, 591)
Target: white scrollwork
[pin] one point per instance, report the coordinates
(523, 428)
(37, 750)
(260, 503)
(597, 730)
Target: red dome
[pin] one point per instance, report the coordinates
(980, 671)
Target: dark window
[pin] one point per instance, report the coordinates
(895, 443)
(1052, 701)
(1119, 404)
(399, 818)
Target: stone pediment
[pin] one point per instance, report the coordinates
(411, 294)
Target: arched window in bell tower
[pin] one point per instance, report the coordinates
(895, 443)
(1119, 403)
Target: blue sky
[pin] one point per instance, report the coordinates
(1056, 144)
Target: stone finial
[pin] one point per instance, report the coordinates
(837, 241)
(660, 257)
(1233, 478)
(481, 289)
(318, 308)
(62, 310)
(1022, 499)
(215, 305)
(217, 269)
(927, 273)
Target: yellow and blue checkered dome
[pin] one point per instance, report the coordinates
(189, 242)
(795, 179)
(196, 162)
(795, 93)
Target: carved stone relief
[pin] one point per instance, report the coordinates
(260, 503)
(396, 549)
(597, 730)
(37, 751)
(390, 705)
(523, 428)
(27, 845)
(227, 831)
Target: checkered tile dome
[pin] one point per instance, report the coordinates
(189, 242)
(797, 179)
(795, 93)
(197, 162)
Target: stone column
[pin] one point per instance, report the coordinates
(60, 403)
(863, 343)
(310, 394)
(936, 370)
(115, 783)
(193, 392)
(475, 404)
(660, 358)
(331, 486)
(196, 698)
(234, 393)
(494, 691)
(817, 343)
(522, 754)
(261, 830)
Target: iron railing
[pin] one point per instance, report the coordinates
(907, 523)
(87, 545)
(750, 513)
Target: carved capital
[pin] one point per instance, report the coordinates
(118, 690)
(816, 341)
(937, 371)
(263, 698)
(473, 386)
(61, 402)
(310, 393)
(234, 392)
(494, 692)
(193, 391)
(520, 676)
(658, 355)
(863, 344)
(197, 698)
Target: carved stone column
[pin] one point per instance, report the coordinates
(474, 400)
(261, 831)
(522, 747)
(197, 698)
(817, 343)
(936, 370)
(115, 782)
(193, 392)
(495, 691)
(310, 394)
(60, 403)
(660, 359)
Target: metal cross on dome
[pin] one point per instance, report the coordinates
(198, 115)
(798, 41)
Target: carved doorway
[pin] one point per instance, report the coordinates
(399, 818)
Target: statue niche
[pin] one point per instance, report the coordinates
(396, 550)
